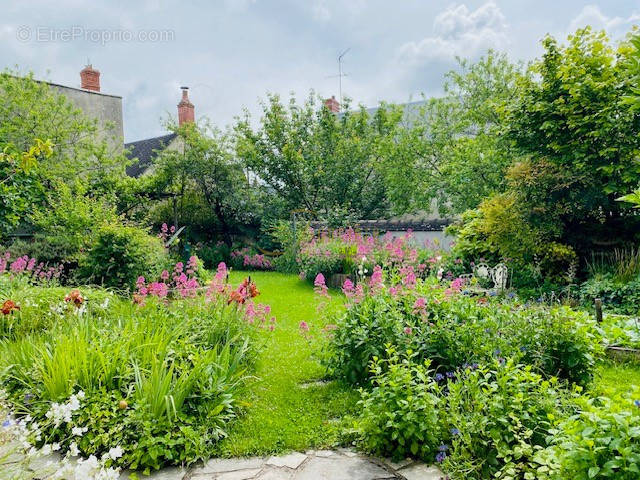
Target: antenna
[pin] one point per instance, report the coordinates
(340, 74)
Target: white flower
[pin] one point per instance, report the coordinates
(55, 446)
(115, 453)
(78, 431)
(73, 450)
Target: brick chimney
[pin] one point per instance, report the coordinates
(186, 111)
(332, 104)
(90, 78)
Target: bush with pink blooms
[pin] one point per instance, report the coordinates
(353, 253)
(29, 269)
(248, 259)
(451, 329)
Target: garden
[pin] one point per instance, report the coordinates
(262, 320)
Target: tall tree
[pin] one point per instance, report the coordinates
(214, 192)
(315, 159)
(580, 141)
(454, 150)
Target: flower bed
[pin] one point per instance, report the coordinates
(348, 252)
(138, 384)
(487, 386)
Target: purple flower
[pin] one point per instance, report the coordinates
(6, 423)
(455, 432)
(450, 374)
(439, 377)
(443, 448)
(637, 403)
(440, 457)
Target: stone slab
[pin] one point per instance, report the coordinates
(221, 465)
(238, 474)
(293, 460)
(275, 474)
(421, 471)
(341, 468)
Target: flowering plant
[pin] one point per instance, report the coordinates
(25, 267)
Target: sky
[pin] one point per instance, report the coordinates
(231, 53)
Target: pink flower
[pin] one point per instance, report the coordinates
(348, 288)
(320, 286)
(375, 283)
(408, 330)
(164, 275)
(304, 326)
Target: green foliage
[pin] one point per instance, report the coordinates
(616, 296)
(399, 415)
(314, 159)
(581, 141)
(600, 441)
(77, 150)
(502, 416)
(460, 331)
(120, 254)
(176, 366)
(18, 180)
(456, 157)
(288, 242)
(214, 192)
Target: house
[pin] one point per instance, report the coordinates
(144, 151)
(105, 108)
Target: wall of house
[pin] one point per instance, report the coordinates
(104, 107)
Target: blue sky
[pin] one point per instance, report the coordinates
(231, 52)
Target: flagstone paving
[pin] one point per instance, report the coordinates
(342, 464)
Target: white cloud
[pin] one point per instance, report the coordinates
(459, 31)
(614, 26)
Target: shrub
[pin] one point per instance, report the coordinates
(498, 418)
(248, 259)
(616, 296)
(600, 441)
(120, 254)
(399, 416)
(458, 330)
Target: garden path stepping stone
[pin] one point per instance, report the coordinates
(338, 467)
(293, 460)
(341, 464)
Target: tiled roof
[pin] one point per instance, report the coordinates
(145, 151)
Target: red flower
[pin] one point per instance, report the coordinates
(74, 296)
(9, 306)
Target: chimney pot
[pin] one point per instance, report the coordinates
(332, 104)
(90, 78)
(186, 110)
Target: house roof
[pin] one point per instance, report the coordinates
(145, 151)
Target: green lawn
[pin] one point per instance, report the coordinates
(280, 413)
(614, 379)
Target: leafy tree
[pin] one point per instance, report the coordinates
(81, 158)
(18, 183)
(454, 149)
(320, 161)
(213, 190)
(580, 140)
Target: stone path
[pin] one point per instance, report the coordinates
(341, 464)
